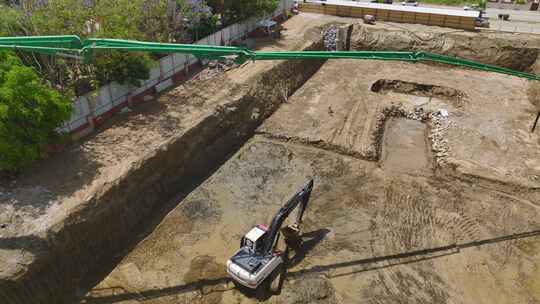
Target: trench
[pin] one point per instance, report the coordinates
(417, 89)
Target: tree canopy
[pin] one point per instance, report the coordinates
(237, 10)
(30, 111)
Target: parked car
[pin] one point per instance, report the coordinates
(410, 3)
(383, 1)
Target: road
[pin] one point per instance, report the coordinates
(521, 20)
(515, 15)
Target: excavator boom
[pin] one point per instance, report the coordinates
(302, 198)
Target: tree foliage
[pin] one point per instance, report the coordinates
(133, 19)
(9, 20)
(124, 68)
(30, 111)
(197, 18)
(181, 21)
(237, 10)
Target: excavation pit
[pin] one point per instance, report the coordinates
(398, 219)
(232, 149)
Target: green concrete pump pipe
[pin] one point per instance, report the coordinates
(73, 46)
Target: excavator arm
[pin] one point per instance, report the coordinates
(300, 198)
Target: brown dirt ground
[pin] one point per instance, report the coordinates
(49, 191)
(409, 206)
(488, 125)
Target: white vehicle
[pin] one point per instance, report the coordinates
(410, 3)
(248, 270)
(258, 259)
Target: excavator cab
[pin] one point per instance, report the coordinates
(253, 241)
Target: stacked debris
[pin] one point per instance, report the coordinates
(439, 124)
(215, 68)
(330, 37)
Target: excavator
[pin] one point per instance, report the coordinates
(258, 260)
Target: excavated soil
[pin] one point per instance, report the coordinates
(515, 51)
(391, 218)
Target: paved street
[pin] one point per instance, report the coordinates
(516, 15)
(521, 20)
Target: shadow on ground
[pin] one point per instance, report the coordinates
(315, 238)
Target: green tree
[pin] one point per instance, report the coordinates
(9, 21)
(123, 19)
(124, 68)
(133, 19)
(30, 112)
(57, 17)
(238, 10)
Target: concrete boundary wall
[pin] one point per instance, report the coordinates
(384, 12)
(95, 107)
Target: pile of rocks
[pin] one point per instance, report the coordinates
(439, 124)
(216, 68)
(330, 38)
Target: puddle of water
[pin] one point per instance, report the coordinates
(405, 148)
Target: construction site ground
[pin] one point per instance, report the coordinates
(426, 191)
(427, 185)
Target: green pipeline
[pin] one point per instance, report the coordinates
(74, 47)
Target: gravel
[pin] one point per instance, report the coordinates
(330, 38)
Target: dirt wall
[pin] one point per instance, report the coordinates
(535, 68)
(98, 233)
(513, 51)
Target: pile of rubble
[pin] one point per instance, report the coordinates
(330, 38)
(215, 68)
(439, 124)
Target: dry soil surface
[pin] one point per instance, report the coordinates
(424, 193)
(35, 205)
